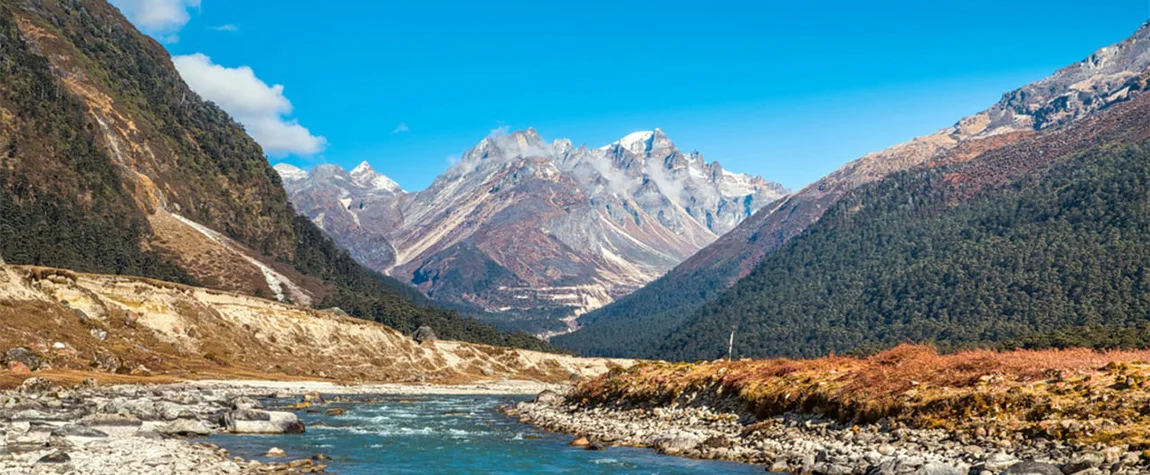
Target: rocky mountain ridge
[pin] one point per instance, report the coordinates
(522, 224)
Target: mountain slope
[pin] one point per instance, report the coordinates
(111, 164)
(522, 225)
(1074, 92)
(1039, 243)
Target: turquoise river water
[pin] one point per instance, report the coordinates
(456, 435)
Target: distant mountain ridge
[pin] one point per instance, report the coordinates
(521, 224)
(1111, 75)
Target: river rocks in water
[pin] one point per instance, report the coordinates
(275, 452)
(424, 334)
(23, 356)
(185, 428)
(1032, 468)
(262, 422)
(313, 398)
(334, 412)
(580, 442)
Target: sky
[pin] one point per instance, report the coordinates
(788, 90)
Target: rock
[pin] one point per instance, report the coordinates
(886, 449)
(334, 412)
(55, 457)
(424, 334)
(320, 457)
(76, 430)
(18, 367)
(185, 428)
(594, 447)
(676, 442)
(999, 461)
(111, 420)
(245, 403)
(779, 467)
(1032, 468)
(936, 468)
(99, 334)
(313, 397)
(580, 442)
(549, 397)
(275, 452)
(25, 356)
(89, 383)
(1083, 462)
(36, 385)
(262, 422)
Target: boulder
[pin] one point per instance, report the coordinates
(936, 468)
(24, 356)
(676, 442)
(998, 462)
(275, 452)
(37, 385)
(76, 430)
(1032, 468)
(55, 457)
(253, 421)
(424, 334)
(580, 442)
(1083, 462)
(244, 402)
(185, 428)
(549, 397)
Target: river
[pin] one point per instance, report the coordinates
(451, 434)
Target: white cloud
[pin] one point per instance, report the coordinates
(401, 128)
(261, 108)
(160, 18)
(228, 27)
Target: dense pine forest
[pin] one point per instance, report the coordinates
(1057, 258)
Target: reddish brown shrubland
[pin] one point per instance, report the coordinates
(1078, 395)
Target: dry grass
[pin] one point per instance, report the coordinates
(1077, 395)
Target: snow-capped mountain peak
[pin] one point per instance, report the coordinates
(289, 172)
(366, 176)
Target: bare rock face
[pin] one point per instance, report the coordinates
(424, 334)
(526, 225)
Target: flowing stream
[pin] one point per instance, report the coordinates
(452, 434)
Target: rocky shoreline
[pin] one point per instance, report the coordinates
(805, 444)
(128, 430)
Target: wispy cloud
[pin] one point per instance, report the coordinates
(228, 28)
(401, 128)
(162, 19)
(262, 109)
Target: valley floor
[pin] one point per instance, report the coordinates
(908, 410)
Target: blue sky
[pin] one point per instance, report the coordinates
(786, 90)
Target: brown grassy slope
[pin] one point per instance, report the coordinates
(178, 331)
(1078, 395)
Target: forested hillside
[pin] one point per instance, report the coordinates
(100, 137)
(1041, 243)
(1112, 74)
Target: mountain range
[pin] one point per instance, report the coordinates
(1037, 119)
(531, 227)
(111, 164)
